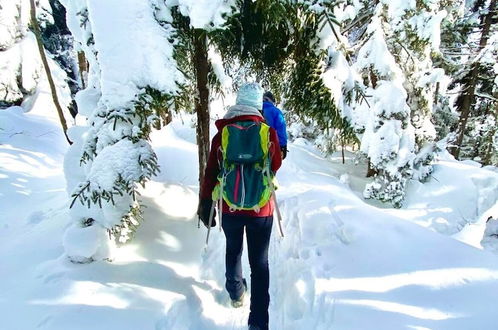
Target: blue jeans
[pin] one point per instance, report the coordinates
(258, 230)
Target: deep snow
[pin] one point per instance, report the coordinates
(344, 263)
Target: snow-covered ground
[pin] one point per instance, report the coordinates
(344, 263)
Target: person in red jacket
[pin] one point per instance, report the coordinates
(257, 224)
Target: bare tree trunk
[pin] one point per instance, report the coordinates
(487, 156)
(202, 100)
(342, 151)
(370, 171)
(436, 93)
(468, 99)
(83, 67)
(36, 29)
(469, 96)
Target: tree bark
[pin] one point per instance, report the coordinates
(370, 170)
(342, 151)
(36, 30)
(202, 99)
(469, 95)
(83, 67)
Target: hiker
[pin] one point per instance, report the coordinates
(257, 221)
(275, 119)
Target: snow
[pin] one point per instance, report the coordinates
(430, 29)
(116, 160)
(83, 243)
(344, 263)
(15, 63)
(217, 64)
(490, 237)
(376, 54)
(124, 67)
(204, 14)
(129, 53)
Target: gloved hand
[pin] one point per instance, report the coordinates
(284, 151)
(203, 212)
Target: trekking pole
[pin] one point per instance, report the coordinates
(211, 213)
(279, 215)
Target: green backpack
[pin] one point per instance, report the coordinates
(245, 167)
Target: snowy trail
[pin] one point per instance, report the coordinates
(342, 258)
(343, 263)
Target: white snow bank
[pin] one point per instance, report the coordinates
(455, 196)
(87, 243)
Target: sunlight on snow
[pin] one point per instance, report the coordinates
(414, 311)
(181, 269)
(442, 190)
(35, 164)
(437, 279)
(174, 200)
(87, 293)
(301, 287)
(127, 253)
(170, 241)
(114, 295)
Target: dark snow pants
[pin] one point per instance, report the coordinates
(258, 231)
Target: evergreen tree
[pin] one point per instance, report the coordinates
(19, 75)
(476, 79)
(396, 67)
(191, 51)
(111, 155)
(279, 43)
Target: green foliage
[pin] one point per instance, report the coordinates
(183, 54)
(153, 108)
(129, 224)
(277, 41)
(258, 34)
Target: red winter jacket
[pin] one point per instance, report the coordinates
(213, 169)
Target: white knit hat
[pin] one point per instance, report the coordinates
(251, 95)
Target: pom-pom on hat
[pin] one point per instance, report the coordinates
(250, 95)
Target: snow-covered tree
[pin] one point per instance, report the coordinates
(391, 43)
(132, 78)
(139, 69)
(19, 72)
(279, 42)
(389, 139)
(195, 25)
(476, 77)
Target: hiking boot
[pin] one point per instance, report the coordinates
(253, 327)
(236, 303)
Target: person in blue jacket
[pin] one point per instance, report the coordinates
(275, 118)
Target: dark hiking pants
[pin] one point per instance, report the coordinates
(258, 231)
